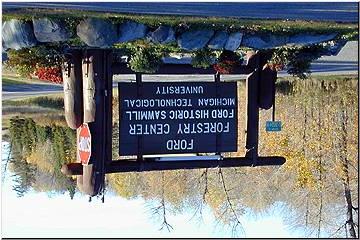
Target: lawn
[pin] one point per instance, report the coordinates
(44, 110)
(11, 81)
(15, 80)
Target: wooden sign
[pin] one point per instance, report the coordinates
(165, 118)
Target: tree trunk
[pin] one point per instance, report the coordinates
(349, 214)
(346, 181)
(320, 171)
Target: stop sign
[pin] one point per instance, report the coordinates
(84, 143)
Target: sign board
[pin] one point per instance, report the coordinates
(273, 126)
(175, 117)
(84, 143)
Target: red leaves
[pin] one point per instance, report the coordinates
(225, 67)
(276, 66)
(52, 74)
(228, 60)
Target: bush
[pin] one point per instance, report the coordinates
(297, 60)
(41, 149)
(202, 59)
(228, 60)
(145, 60)
(48, 102)
(27, 60)
(51, 74)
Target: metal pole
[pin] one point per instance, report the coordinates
(274, 98)
(252, 125)
(217, 81)
(108, 103)
(273, 110)
(107, 67)
(139, 138)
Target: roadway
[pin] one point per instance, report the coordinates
(315, 11)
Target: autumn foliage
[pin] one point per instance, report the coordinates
(52, 74)
(227, 62)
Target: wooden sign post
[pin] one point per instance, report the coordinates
(97, 89)
(97, 71)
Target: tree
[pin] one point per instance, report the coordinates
(38, 153)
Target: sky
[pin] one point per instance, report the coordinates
(44, 215)
(37, 215)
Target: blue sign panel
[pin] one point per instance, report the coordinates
(166, 118)
(273, 126)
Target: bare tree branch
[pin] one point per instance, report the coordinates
(200, 206)
(198, 209)
(237, 220)
(307, 210)
(165, 223)
(206, 191)
(162, 206)
(7, 160)
(337, 230)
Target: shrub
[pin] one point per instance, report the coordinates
(27, 60)
(202, 59)
(297, 60)
(48, 102)
(52, 74)
(227, 62)
(145, 60)
(22, 61)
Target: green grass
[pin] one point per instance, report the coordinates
(45, 109)
(349, 77)
(181, 23)
(15, 80)
(47, 118)
(285, 85)
(53, 102)
(7, 81)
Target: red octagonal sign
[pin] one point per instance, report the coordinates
(84, 143)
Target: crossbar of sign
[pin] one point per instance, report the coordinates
(85, 144)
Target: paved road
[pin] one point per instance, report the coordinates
(318, 11)
(345, 62)
(28, 90)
